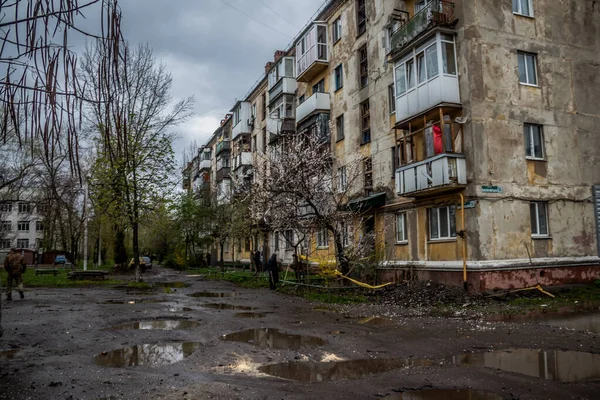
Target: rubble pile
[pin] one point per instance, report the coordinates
(425, 294)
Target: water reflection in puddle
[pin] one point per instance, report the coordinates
(164, 325)
(313, 371)
(213, 294)
(180, 309)
(9, 354)
(136, 301)
(249, 315)
(223, 306)
(444, 394)
(375, 321)
(578, 321)
(265, 337)
(556, 365)
(146, 355)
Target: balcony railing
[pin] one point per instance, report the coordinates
(314, 57)
(435, 13)
(316, 102)
(242, 159)
(223, 173)
(204, 164)
(439, 173)
(225, 145)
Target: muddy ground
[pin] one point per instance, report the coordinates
(57, 344)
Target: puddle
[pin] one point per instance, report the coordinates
(249, 315)
(376, 321)
(589, 321)
(444, 394)
(136, 301)
(9, 354)
(180, 309)
(223, 306)
(556, 365)
(163, 325)
(265, 337)
(172, 285)
(147, 355)
(314, 371)
(213, 294)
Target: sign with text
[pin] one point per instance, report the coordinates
(491, 189)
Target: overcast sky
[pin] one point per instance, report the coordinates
(214, 49)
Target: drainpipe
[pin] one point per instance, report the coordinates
(463, 235)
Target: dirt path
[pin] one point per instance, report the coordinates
(55, 338)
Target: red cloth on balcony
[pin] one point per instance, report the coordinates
(437, 140)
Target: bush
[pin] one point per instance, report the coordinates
(171, 262)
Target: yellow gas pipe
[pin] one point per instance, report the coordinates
(464, 240)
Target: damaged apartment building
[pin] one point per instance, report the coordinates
(474, 122)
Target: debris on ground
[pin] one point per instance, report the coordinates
(425, 294)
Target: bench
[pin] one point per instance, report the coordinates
(46, 271)
(91, 275)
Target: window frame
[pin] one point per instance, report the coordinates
(363, 67)
(21, 241)
(3, 243)
(39, 226)
(5, 226)
(536, 214)
(288, 241)
(345, 235)
(525, 54)
(401, 237)
(276, 241)
(336, 30)
(368, 176)
(319, 87)
(519, 10)
(25, 208)
(6, 206)
(361, 17)
(339, 128)
(23, 226)
(338, 77)
(441, 236)
(528, 133)
(365, 118)
(322, 238)
(392, 99)
(342, 179)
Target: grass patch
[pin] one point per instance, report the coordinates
(30, 279)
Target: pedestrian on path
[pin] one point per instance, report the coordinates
(257, 262)
(15, 265)
(273, 271)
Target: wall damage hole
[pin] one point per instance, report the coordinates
(555, 365)
(147, 355)
(163, 325)
(213, 294)
(444, 394)
(249, 315)
(223, 306)
(314, 371)
(272, 338)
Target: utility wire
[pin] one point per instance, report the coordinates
(254, 19)
(281, 16)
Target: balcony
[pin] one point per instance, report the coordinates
(318, 102)
(434, 175)
(242, 119)
(242, 159)
(223, 173)
(286, 85)
(437, 13)
(312, 52)
(204, 164)
(225, 145)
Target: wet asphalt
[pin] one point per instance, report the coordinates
(214, 340)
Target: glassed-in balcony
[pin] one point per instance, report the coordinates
(204, 164)
(318, 102)
(434, 175)
(242, 118)
(242, 159)
(225, 145)
(435, 13)
(283, 86)
(312, 53)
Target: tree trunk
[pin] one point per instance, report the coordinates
(221, 251)
(340, 253)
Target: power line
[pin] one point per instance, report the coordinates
(254, 19)
(287, 20)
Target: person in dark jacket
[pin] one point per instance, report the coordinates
(15, 265)
(273, 271)
(257, 261)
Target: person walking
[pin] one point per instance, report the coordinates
(257, 262)
(15, 265)
(273, 271)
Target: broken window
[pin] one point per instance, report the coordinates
(363, 66)
(539, 218)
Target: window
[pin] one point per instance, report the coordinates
(322, 238)
(247, 244)
(345, 235)
(23, 226)
(539, 218)
(25, 208)
(368, 176)
(253, 112)
(263, 105)
(339, 127)
(319, 87)
(289, 238)
(401, 228)
(5, 244)
(6, 226)
(226, 247)
(361, 17)
(264, 140)
(39, 226)
(342, 179)
(366, 122)
(442, 223)
(410, 74)
(301, 99)
(254, 148)
(432, 61)
(421, 72)
(6, 207)
(527, 68)
(276, 241)
(336, 29)
(401, 79)
(363, 66)
(448, 58)
(534, 141)
(338, 76)
(392, 99)
(391, 29)
(420, 5)
(523, 7)
(23, 243)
